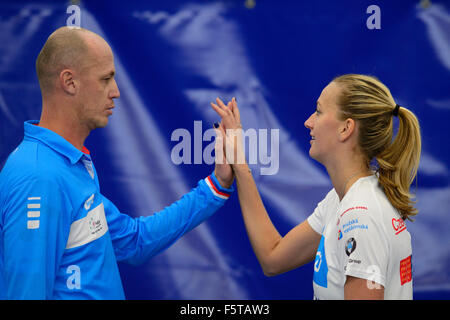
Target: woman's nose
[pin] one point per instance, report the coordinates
(309, 122)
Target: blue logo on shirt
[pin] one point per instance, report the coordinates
(350, 246)
(320, 265)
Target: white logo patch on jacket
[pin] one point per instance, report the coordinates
(89, 228)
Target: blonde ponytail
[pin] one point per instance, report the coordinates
(367, 100)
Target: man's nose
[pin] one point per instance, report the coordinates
(115, 93)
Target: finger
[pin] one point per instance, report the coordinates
(220, 146)
(235, 110)
(219, 130)
(222, 131)
(224, 142)
(230, 109)
(220, 103)
(219, 137)
(218, 110)
(223, 106)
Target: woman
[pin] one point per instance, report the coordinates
(357, 233)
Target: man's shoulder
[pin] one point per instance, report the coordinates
(29, 161)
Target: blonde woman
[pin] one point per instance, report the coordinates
(357, 233)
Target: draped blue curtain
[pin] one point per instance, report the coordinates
(173, 57)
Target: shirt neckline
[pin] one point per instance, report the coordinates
(55, 141)
(353, 185)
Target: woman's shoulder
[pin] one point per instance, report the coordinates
(369, 199)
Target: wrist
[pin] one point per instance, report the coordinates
(241, 168)
(224, 183)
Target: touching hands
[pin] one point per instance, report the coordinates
(229, 144)
(229, 113)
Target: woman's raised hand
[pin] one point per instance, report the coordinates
(231, 130)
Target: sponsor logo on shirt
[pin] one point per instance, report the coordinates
(95, 225)
(350, 209)
(339, 234)
(320, 265)
(405, 270)
(89, 202)
(354, 224)
(88, 229)
(398, 225)
(354, 261)
(350, 246)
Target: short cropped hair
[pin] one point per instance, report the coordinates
(64, 48)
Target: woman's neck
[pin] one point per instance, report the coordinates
(344, 176)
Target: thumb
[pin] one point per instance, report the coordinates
(219, 144)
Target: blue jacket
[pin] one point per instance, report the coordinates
(60, 238)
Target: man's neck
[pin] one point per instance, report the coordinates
(64, 125)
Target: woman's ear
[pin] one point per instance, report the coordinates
(347, 129)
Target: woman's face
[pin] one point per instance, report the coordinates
(325, 125)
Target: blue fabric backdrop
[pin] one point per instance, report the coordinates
(174, 57)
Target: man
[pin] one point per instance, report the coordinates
(60, 238)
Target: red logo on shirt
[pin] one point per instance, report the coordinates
(398, 225)
(405, 270)
(349, 209)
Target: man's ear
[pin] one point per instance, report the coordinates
(347, 129)
(68, 82)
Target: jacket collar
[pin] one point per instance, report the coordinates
(54, 141)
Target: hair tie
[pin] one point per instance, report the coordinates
(395, 112)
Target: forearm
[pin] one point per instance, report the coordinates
(262, 233)
(136, 240)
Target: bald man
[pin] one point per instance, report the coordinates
(60, 238)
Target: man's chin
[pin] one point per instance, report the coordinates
(99, 124)
(103, 124)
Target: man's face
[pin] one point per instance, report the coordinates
(98, 87)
